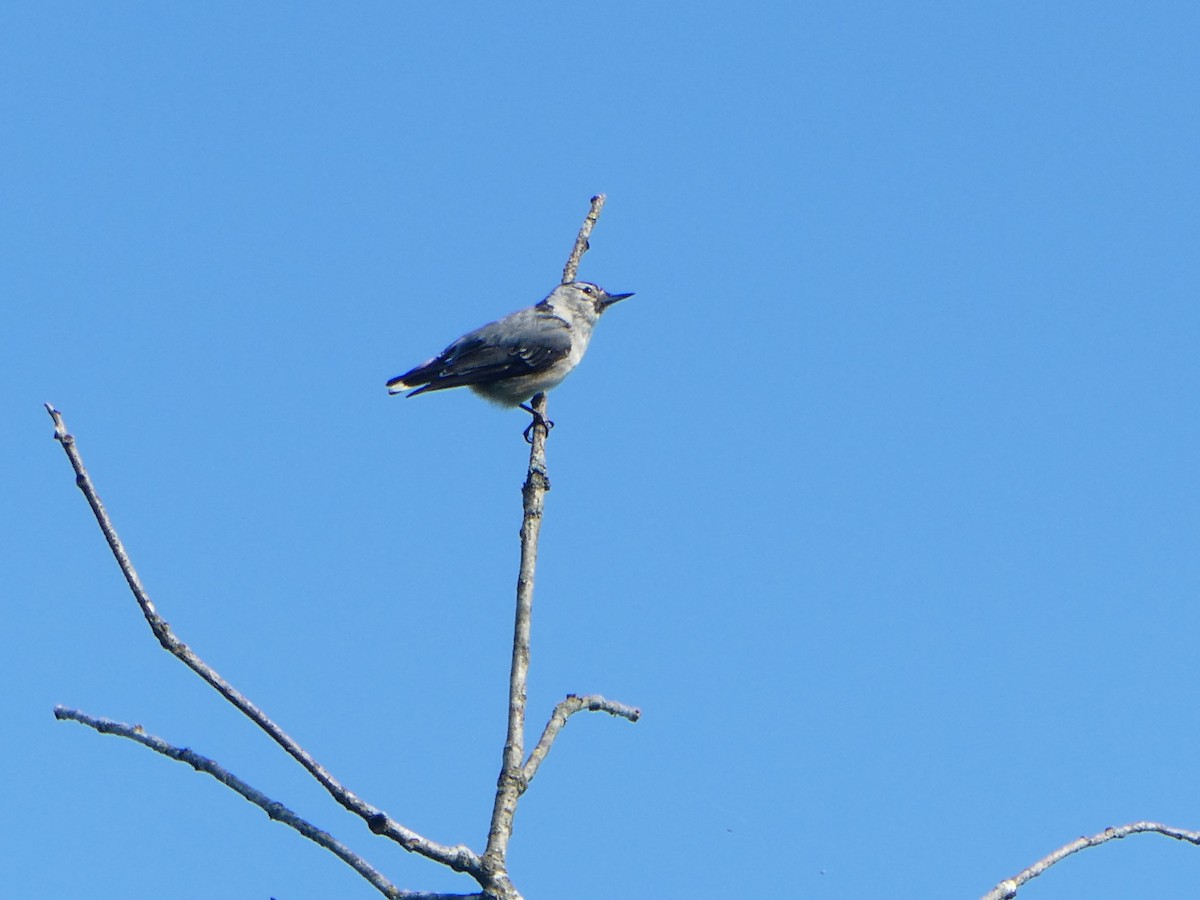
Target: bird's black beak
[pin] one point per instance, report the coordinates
(610, 299)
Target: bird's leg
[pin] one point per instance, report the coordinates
(538, 419)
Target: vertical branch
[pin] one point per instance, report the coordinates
(511, 784)
(509, 787)
(571, 269)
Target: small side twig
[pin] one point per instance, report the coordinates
(272, 808)
(460, 858)
(558, 719)
(1008, 888)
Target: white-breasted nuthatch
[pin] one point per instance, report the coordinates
(525, 353)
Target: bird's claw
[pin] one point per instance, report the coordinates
(538, 419)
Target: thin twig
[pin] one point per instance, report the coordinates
(1007, 889)
(571, 269)
(272, 808)
(563, 711)
(460, 858)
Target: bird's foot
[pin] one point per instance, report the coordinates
(538, 419)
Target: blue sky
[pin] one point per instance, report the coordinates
(880, 497)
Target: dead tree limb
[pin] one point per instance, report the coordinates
(488, 869)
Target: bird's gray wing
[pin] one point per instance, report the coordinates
(504, 349)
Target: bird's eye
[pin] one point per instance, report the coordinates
(587, 289)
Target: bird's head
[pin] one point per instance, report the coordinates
(583, 299)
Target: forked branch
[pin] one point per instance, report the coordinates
(515, 771)
(488, 869)
(459, 858)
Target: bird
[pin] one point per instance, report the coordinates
(528, 352)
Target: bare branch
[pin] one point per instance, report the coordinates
(272, 808)
(511, 783)
(459, 858)
(571, 269)
(1007, 889)
(508, 787)
(563, 711)
(490, 869)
